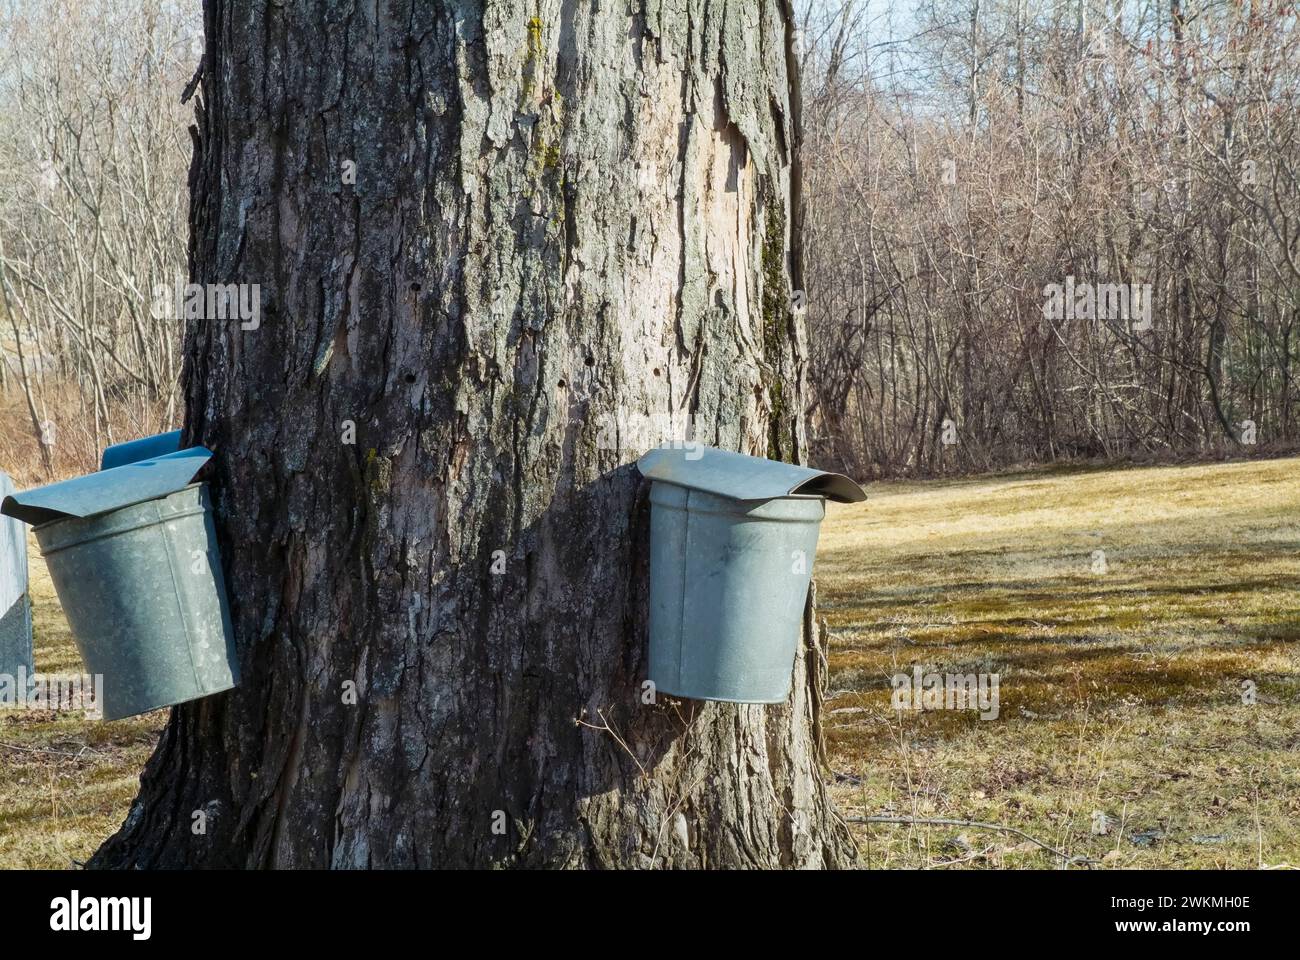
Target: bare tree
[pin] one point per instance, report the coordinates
(1001, 148)
(93, 139)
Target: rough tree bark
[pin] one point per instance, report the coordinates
(566, 215)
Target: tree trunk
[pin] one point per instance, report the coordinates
(565, 217)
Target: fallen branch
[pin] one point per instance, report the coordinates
(974, 824)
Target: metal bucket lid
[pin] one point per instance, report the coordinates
(159, 445)
(735, 475)
(109, 489)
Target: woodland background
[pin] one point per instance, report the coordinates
(959, 157)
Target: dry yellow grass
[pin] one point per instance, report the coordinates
(1122, 735)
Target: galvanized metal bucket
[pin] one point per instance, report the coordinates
(133, 555)
(732, 541)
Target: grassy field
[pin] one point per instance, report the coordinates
(1123, 610)
(1128, 614)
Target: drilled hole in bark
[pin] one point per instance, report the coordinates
(415, 288)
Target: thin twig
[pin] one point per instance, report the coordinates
(57, 753)
(607, 728)
(974, 824)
